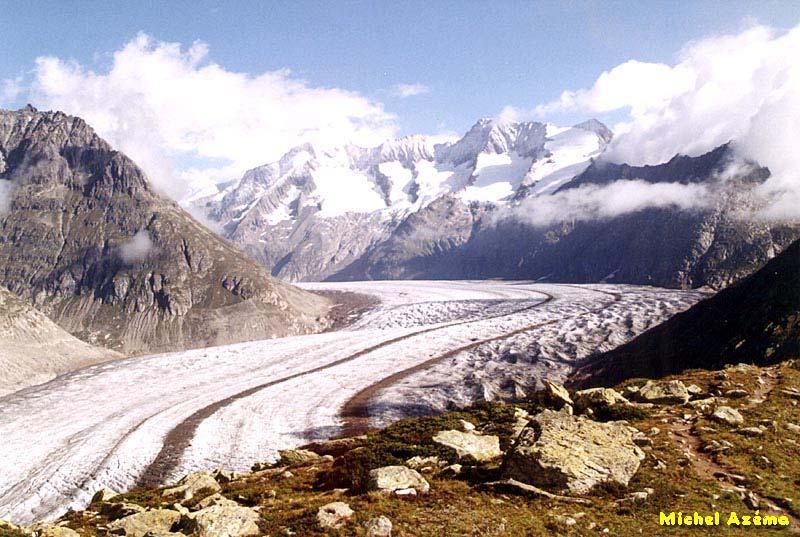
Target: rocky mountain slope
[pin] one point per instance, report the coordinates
(318, 210)
(87, 240)
(33, 349)
(755, 321)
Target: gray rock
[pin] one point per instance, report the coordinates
(139, 524)
(598, 398)
(297, 457)
(563, 452)
(222, 520)
(192, 484)
(334, 515)
(473, 446)
(396, 479)
(378, 527)
(727, 415)
(660, 391)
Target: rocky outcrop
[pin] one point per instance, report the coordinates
(89, 242)
(561, 452)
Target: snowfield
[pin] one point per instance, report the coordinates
(154, 418)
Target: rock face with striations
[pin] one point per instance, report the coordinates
(88, 241)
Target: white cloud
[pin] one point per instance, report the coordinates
(11, 90)
(596, 202)
(410, 90)
(743, 87)
(137, 249)
(184, 118)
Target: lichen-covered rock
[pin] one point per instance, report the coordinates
(192, 484)
(390, 479)
(598, 398)
(663, 391)
(378, 527)
(139, 524)
(334, 515)
(297, 457)
(727, 415)
(222, 520)
(564, 452)
(469, 445)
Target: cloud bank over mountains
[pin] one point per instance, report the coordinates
(184, 118)
(189, 121)
(743, 88)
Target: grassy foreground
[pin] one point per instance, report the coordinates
(693, 464)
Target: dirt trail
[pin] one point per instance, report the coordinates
(708, 467)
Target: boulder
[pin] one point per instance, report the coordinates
(139, 524)
(378, 527)
(727, 415)
(573, 453)
(469, 445)
(663, 391)
(334, 515)
(104, 495)
(214, 499)
(192, 484)
(391, 479)
(556, 394)
(222, 520)
(598, 398)
(297, 457)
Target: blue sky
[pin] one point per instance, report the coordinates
(474, 57)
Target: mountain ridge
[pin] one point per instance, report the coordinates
(77, 209)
